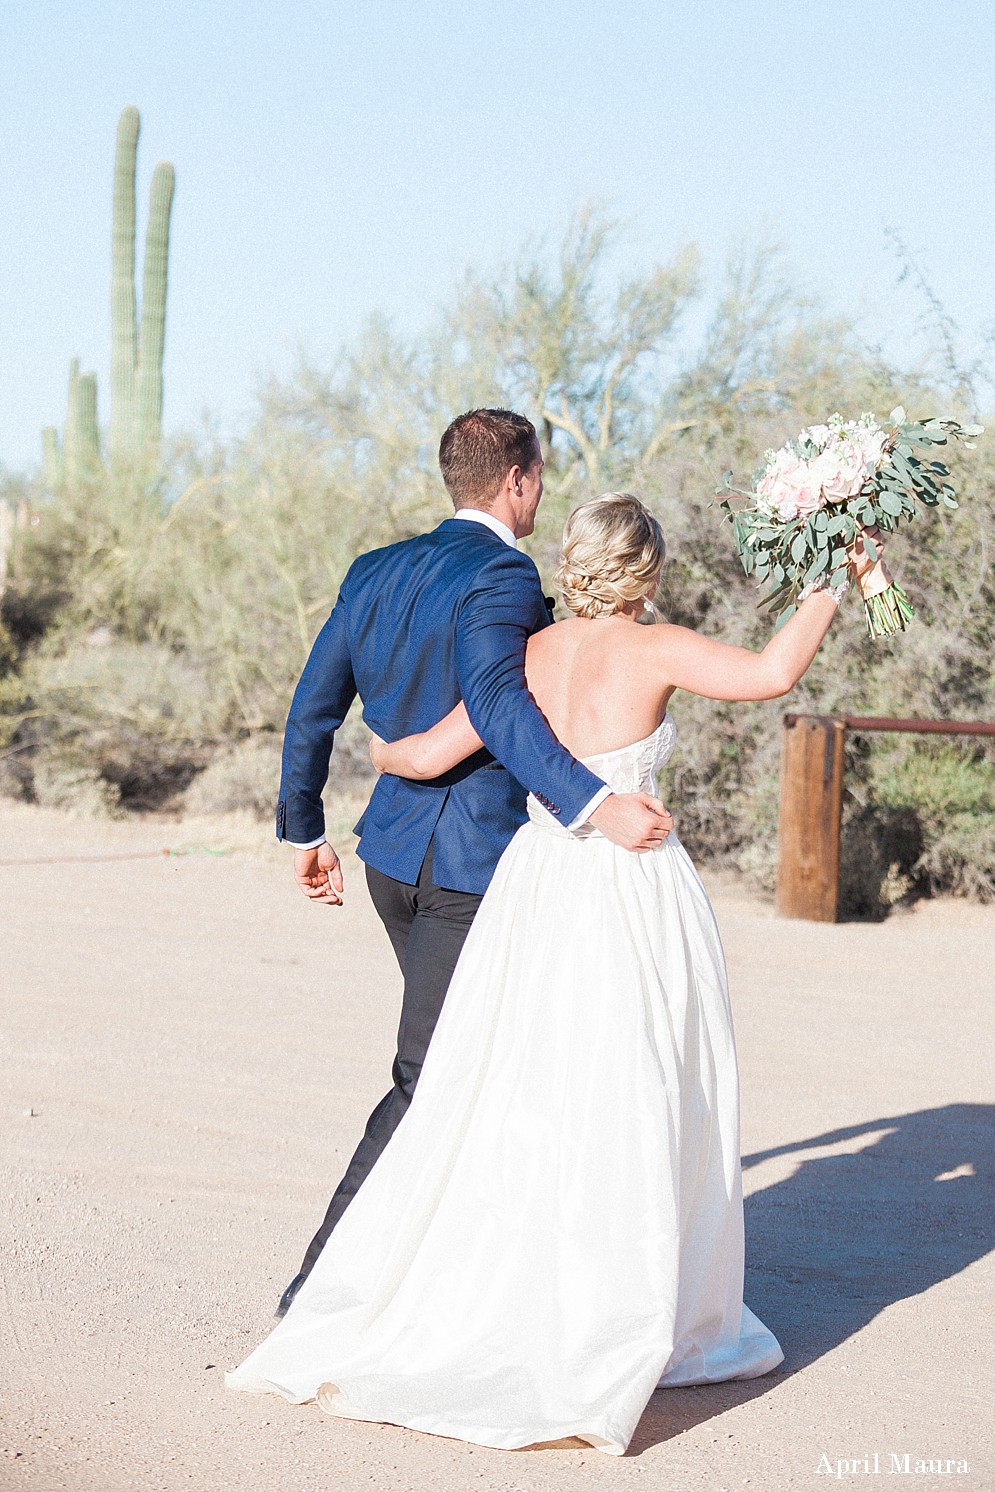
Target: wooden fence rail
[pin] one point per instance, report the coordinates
(808, 864)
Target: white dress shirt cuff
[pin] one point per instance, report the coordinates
(595, 802)
(311, 845)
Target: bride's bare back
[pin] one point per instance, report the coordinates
(605, 683)
(598, 683)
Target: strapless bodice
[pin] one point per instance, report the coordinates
(630, 769)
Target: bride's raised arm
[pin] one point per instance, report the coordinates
(430, 752)
(717, 670)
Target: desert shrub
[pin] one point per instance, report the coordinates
(880, 853)
(159, 629)
(8, 652)
(75, 788)
(140, 714)
(949, 791)
(246, 778)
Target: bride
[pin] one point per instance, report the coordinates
(556, 1227)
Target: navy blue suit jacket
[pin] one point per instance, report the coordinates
(418, 627)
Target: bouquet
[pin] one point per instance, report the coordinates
(836, 485)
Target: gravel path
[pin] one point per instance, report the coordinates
(189, 1052)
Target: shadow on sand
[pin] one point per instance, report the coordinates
(845, 1236)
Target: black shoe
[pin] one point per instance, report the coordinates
(287, 1298)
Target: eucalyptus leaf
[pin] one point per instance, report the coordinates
(838, 576)
(785, 616)
(890, 503)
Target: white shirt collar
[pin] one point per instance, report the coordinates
(476, 515)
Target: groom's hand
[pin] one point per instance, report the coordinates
(635, 821)
(319, 874)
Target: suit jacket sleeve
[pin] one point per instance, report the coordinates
(321, 702)
(503, 607)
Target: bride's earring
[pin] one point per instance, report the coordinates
(648, 606)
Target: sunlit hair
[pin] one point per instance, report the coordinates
(612, 549)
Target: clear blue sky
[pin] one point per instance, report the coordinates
(335, 158)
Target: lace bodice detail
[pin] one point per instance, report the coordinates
(630, 769)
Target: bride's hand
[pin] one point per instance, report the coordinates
(871, 575)
(377, 748)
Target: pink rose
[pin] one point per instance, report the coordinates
(811, 495)
(783, 484)
(838, 473)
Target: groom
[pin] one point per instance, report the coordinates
(419, 626)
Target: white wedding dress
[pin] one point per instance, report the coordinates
(556, 1226)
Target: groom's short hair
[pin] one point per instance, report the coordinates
(479, 449)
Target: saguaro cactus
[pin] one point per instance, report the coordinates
(124, 339)
(137, 351)
(87, 430)
(51, 456)
(78, 459)
(152, 336)
(6, 543)
(136, 348)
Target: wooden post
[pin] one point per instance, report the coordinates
(808, 867)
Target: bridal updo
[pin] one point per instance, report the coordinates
(612, 549)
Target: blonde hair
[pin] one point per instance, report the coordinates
(612, 549)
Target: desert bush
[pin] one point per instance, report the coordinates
(159, 628)
(74, 787)
(948, 793)
(142, 715)
(247, 778)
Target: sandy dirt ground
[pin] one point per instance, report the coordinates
(189, 1051)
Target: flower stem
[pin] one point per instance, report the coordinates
(888, 612)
